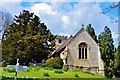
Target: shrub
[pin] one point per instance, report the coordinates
(5, 69)
(58, 71)
(10, 69)
(58, 60)
(28, 69)
(56, 63)
(45, 74)
(37, 68)
(44, 65)
(76, 75)
(33, 68)
(47, 68)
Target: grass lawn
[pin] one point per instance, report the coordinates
(0, 73)
(40, 74)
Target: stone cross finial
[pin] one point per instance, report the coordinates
(82, 25)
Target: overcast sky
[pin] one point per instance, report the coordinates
(66, 18)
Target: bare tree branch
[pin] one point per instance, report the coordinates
(112, 6)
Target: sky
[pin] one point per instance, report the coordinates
(66, 17)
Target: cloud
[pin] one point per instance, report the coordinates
(66, 17)
(42, 8)
(68, 20)
(114, 35)
(65, 20)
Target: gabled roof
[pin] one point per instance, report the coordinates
(61, 47)
(83, 30)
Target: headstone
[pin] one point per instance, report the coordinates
(21, 68)
(11, 66)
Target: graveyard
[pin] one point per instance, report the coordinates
(36, 72)
(42, 71)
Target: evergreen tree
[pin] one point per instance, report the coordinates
(107, 51)
(91, 32)
(27, 39)
(117, 62)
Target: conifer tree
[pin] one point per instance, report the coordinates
(117, 61)
(107, 51)
(91, 32)
(27, 39)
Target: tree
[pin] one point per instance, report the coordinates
(27, 39)
(117, 62)
(91, 32)
(107, 51)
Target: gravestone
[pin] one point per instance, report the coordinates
(21, 68)
(11, 66)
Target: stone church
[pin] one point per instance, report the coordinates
(79, 52)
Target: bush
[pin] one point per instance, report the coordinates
(47, 68)
(44, 65)
(76, 75)
(58, 71)
(5, 69)
(33, 68)
(10, 69)
(58, 60)
(45, 74)
(56, 63)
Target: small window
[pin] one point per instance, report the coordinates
(79, 53)
(83, 51)
(60, 41)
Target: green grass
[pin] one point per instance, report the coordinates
(40, 74)
(0, 73)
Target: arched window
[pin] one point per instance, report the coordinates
(82, 51)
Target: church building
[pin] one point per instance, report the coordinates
(79, 52)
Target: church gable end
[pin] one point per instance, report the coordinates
(83, 50)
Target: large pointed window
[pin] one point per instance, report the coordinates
(82, 51)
